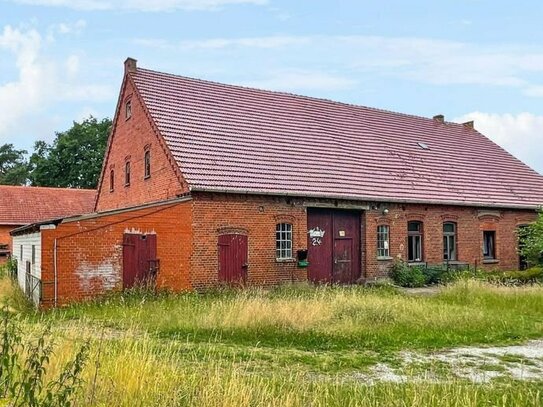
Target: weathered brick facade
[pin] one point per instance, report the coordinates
(130, 138)
(257, 216)
(89, 251)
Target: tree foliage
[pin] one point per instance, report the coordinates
(14, 169)
(532, 240)
(74, 158)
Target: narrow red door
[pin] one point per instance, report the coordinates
(233, 257)
(139, 258)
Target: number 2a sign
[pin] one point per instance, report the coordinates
(316, 235)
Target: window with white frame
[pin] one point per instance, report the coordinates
(283, 241)
(414, 241)
(383, 241)
(449, 241)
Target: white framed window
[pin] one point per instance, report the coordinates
(414, 241)
(383, 241)
(283, 241)
(449, 241)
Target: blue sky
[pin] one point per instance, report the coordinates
(61, 60)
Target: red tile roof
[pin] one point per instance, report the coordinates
(237, 139)
(24, 205)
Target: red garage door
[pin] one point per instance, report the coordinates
(233, 258)
(333, 245)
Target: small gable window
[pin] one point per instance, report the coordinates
(283, 241)
(147, 163)
(127, 173)
(128, 110)
(111, 180)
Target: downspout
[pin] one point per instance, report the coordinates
(55, 269)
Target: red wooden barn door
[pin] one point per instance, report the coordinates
(139, 259)
(333, 246)
(233, 258)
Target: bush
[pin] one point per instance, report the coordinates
(531, 276)
(405, 276)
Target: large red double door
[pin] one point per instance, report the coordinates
(333, 245)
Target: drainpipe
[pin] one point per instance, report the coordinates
(55, 268)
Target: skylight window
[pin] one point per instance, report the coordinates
(424, 146)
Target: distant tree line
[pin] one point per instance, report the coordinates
(72, 160)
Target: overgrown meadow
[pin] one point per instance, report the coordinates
(290, 346)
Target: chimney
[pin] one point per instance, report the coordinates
(439, 118)
(469, 125)
(130, 65)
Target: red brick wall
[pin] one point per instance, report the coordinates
(89, 252)
(470, 225)
(214, 214)
(257, 216)
(129, 140)
(6, 238)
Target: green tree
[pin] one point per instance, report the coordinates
(74, 158)
(532, 240)
(14, 169)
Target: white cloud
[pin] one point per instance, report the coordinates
(140, 5)
(431, 61)
(40, 83)
(520, 134)
(300, 80)
(220, 43)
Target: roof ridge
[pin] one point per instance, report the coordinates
(47, 188)
(291, 94)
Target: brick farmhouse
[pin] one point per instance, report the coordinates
(206, 184)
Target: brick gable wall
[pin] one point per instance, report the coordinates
(130, 138)
(90, 251)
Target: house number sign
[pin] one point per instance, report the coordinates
(316, 235)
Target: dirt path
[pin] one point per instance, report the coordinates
(475, 364)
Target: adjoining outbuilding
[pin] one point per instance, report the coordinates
(21, 205)
(206, 184)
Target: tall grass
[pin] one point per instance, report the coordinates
(333, 318)
(292, 346)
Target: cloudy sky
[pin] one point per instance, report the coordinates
(482, 60)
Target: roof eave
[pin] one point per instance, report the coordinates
(370, 199)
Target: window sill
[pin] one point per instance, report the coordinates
(289, 260)
(384, 258)
(491, 261)
(455, 262)
(417, 263)
(146, 177)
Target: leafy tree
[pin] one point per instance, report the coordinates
(74, 158)
(14, 169)
(532, 240)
